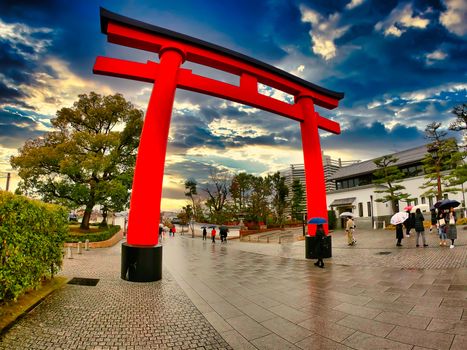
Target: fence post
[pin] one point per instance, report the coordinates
(86, 245)
(69, 253)
(79, 247)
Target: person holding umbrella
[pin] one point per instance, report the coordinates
(441, 227)
(205, 233)
(319, 237)
(398, 219)
(451, 229)
(349, 229)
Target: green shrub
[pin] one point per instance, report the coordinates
(32, 234)
(93, 236)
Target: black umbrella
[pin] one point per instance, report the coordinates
(212, 226)
(447, 203)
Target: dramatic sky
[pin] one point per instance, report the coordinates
(401, 65)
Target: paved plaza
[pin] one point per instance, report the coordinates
(261, 296)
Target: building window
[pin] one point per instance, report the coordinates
(368, 207)
(360, 209)
(415, 201)
(445, 196)
(430, 201)
(423, 200)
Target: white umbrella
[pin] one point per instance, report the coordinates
(347, 213)
(399, 218)
(422, 207)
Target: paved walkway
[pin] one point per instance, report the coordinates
(260, 296)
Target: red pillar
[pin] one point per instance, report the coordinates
(314, 173)
(143, 224)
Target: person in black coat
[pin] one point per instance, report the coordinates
(419, 227)
(205, 233)
(320, 245)
(399, 234)
(409, 223)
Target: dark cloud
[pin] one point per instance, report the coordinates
(16, 127)
(374, 138)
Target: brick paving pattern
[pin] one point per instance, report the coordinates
(114, 314)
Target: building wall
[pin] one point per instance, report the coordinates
(363, 194)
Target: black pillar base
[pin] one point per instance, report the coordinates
(311, 245)
(141, 263)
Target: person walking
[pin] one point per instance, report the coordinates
(349, 229)
(205, 233)
(419, 228)
(213, 235)
(442, 228)
(319, 245)
(399, 234)
(434, 219)
(451, 229)
(409, 223)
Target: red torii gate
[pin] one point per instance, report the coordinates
(141, 255)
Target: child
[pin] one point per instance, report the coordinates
(213, 235)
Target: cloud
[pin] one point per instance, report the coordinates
(454, 18)
(435, 56)
(323, 32)
(399, 20)
(354, 3)
(368, 141)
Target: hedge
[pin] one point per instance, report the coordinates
(32, 234)
(94, 237)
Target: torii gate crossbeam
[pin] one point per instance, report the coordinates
(142, 252)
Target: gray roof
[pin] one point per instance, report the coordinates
(343, 201)
(409, 156)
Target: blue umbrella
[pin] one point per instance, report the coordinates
(317, 221)
(447, 203)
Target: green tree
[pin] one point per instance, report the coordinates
(240, 190)
(280, 191)
(191, 191)
(86, 161)
(298, 197)
(443, 155)
(389, 176)
(259, 203)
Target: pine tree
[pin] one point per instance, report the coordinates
(389, 176)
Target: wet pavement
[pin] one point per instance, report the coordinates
(261, 296)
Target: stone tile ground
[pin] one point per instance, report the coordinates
(259, 296)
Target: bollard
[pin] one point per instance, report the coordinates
(79, 247)
(86, 245)
(374, 225)
(69, 253)
(384, 225)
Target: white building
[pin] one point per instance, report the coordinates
(355, 192)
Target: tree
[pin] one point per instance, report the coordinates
(280, 191)
(389, 176)
(86, 161)
(239, 190)
(191, 191)
(443, 154)
(298, 195)
(460, 124)
(217, 191)
(259, 205)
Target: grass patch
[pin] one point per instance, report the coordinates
(12, 310)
